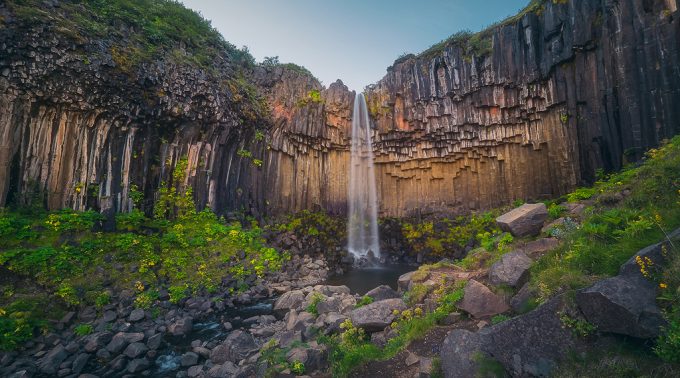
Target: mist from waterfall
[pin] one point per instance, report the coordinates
(362, 223)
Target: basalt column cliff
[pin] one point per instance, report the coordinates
(528, 109)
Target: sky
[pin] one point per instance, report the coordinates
(351, 40)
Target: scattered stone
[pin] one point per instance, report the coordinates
(227, 326)
(331, 304)
(49, 364)
(377, 315)
(195, 371)
(154, 341)
(411, 359)
(135, 350)
(79, 363)
(182, 326)
(291, 300)
(189, 359)
(512, 269)
(481, 302)
(426, 367)
(526, 220)
(382, 292)
(329, 290)
(228, 369)
(121, 340)
(520, 301)
(97, 341)
(136, 315)
(137, 365)
(237, 346)
(539, 247)
(404, 281)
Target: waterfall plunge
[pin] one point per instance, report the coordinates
(362, 223)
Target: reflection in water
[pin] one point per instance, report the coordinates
(362, 280)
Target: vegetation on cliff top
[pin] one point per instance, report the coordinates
(149, 28)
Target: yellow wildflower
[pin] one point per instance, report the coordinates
(663, 285)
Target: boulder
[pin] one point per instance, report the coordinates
(539, 247)
(79, 363)
(195, 371)
(404, 281)
(377, 315)
(138, 365)
(512, 269)
(526, 220)
(622, 305)
(97, 340)
(136, 315)
(329, 290)
(331, 304)
(480, 302)
(225, 370)
(122, 339)
(135, 350)
(189, 359)
(528, 345)
(49, 364)
(459, 354)
(237, 346)
(154, 341)
(182, 326)
(382, 292)
(291, 300)
(520, 301)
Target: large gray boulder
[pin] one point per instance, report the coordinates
(237, 346)
(182, 326)
(526, 220)
(49, 364)
(622, 305)
(512, 269)
(528, 345)
(480, 302)
(121, 339)
(404, 281)
(377, 315)
(291, 300)
(459, 354)
(382, 292)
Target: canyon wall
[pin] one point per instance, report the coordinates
(559, 92)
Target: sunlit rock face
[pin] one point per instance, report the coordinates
(580, 86)
(584, 85)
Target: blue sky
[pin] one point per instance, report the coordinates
(352, 40)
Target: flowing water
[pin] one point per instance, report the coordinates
(362, 223)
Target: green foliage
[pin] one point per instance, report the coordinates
(446, 236)
(69, 220)
(314, 301)
(611, 234)
(102, 299)
(580, 327)
(297, 368)
(154, 28)
(131, 221)
(176, 200)
(581, 194)
(83, 329)
(668, 344)
(19, 321)
(500, 318)
(313, 97)
(416, 295)
(555, 211)
(365, 300)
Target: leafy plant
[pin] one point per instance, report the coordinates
(365, 300)
(83, 329)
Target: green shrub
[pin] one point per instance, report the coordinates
(297, 368)
(69, 220)
(315, 300)
(83, 329)
(365, 300)
(131, 221)
(555, 211)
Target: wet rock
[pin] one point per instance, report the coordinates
(135, 350)
(481, 302)
(526, 220)
(136, 315)
(122, 339)
(404, 281)
(291, 300)
(512, 269)
(49, 364)
(138, 365)
(377, 315)
(237, 346)
(80, 362)
(97, 340)
(154, 341)
(189, 359)
(182, 326)
(382, 292)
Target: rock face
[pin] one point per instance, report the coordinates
(377, 315)
(528, 345)
(481, 302)
(525, 220)
(556, 94)
(512, 269)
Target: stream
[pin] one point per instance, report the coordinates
(359, 282)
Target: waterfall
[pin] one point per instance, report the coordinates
(362, 223)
